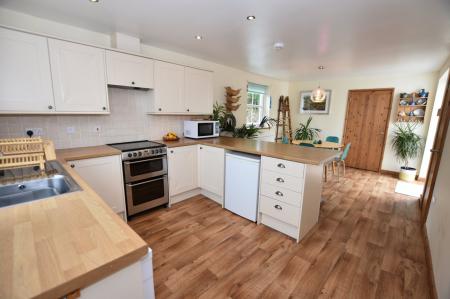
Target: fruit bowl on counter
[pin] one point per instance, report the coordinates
(171, 137)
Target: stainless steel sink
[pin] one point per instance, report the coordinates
(57, 182)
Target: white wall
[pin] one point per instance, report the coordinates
(126, 120)
(333, 123)
(438, 225)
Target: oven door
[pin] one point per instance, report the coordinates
(138, 170)
(147, 194)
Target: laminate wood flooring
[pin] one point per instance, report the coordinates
(368, 244)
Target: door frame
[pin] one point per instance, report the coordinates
(391, 89)
(436, 153)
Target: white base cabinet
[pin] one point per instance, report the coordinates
(105, 176)
(182, 168)
(134, 281)
(211, 170)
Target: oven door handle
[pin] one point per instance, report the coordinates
(146, 160)
(141, 183)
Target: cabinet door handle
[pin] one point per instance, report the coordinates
(278, 207)
(280, 180)
(159, 109)
(279, 193)
(72, 165)
(50, 107)
(171, 152)
(132, 82)
(187, 110)
(201, 147)
(281, 165)
(104, 108)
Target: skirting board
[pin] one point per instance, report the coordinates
(395, 174)
(429, 264)
(197, 191)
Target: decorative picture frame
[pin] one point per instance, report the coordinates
(309, 107)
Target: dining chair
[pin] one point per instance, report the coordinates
(306, 144)
(334, 139)
(341, 160)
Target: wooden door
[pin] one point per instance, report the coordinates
(436, 153)
(366, 125)
(25, 80)
(169, 88)
(199, 91)
(79, 77)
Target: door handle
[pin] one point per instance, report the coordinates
(280, 180)
(281, 165)
(279, 193)
(278, 207)
(433, 150)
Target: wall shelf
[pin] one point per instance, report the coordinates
(404, 111)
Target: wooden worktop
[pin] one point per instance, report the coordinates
(289, 152)
(54, 246)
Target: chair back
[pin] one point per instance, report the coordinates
(285, 140)
(306, 144)
(345, 152)
(334, 139)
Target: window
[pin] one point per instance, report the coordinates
(257, 103)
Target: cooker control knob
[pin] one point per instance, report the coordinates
(153, 152)
(139, 154)
(130, 155)
(134, 155)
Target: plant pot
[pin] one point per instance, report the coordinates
(407, 174)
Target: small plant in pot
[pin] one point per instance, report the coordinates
(407, 145)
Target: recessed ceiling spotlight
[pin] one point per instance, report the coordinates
(251, 18)
(198, 37)
(321, 67)
(278, 45)
(94, 1)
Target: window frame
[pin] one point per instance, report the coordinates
(262, 107)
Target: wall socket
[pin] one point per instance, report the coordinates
(36, 131)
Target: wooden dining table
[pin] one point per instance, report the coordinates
(324, 144)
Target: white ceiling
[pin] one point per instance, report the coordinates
(348, 37)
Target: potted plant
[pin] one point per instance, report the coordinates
(245, 131)
(305, 132)
(406, 145)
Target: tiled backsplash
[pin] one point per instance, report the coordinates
(128, 121)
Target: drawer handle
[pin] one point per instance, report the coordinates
(280, 180)
(281, 165)
(278, 207)
(279, 193)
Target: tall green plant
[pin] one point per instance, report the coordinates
(226, 119)
(405, 142)
(218, 112)
(305, 132)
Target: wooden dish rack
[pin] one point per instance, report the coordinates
(23, 152)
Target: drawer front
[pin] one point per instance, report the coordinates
(283, 166)
(282, 180)
(280, 210)
(282, 194)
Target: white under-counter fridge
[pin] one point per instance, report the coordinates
(242, 184)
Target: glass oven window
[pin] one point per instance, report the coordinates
(144, 167)
(148, 191)
(205, 129)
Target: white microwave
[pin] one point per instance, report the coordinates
(201, 129)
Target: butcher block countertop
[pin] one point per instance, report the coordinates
(54, 246)
(290, 152)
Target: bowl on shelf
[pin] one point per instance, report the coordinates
(403, 95)
(402, 113)
(403, 103)
(421, 101)
(419, 112)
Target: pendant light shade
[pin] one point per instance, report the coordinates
(318, 95)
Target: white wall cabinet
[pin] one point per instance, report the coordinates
(181, 90)
(169, 88)
(79, 77)
(104, 175)
(198, 91)
(129, 70)
(182, 169)
(25, 80)
(211, 163)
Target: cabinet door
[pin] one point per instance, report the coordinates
(199, 91)
(129, 70)
(25, 80)
(104, 175)
(182, 169)
(169, 88)
(79, 77)
(211, 168)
